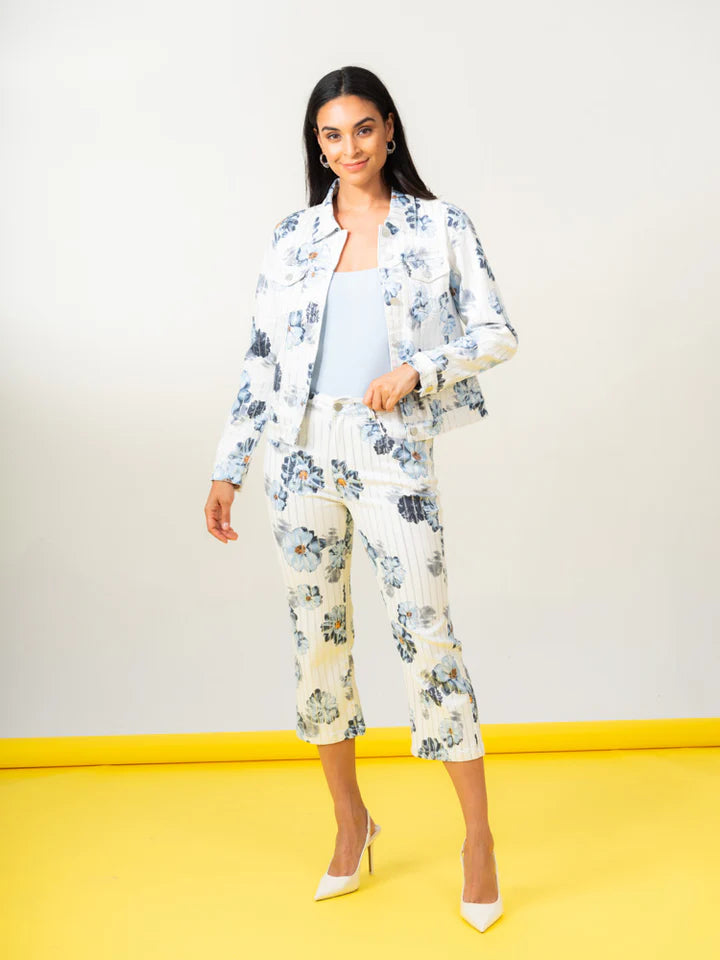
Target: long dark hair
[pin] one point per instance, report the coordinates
(398, 171)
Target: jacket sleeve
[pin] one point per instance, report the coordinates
(489, 337)
(251, 408)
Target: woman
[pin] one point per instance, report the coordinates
(375, 310)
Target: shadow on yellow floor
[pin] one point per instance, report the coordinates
(605, 853)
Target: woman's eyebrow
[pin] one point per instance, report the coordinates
(364, 120)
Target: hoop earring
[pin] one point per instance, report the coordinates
(393, 146)
(324, 162)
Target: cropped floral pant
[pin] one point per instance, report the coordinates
(352, 468)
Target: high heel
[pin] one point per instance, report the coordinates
(332, 886)
(480, 915)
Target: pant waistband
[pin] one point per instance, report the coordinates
(347, 404)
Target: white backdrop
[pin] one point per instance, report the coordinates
(148, 148)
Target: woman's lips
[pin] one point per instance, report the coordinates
(356, 166)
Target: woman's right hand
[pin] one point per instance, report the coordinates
(217, 510)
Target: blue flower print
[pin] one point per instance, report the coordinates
(315, 256)
(404, 642)
(414, 260)
(390, 288)
(312, 320)
(451, 731)
(322, 706)
(372, 553)
(355, 728)
(346, 480)
(482, 259)
(436, 409)
(295, 328)
(301, 641)
(407, 613)
(456, 217)
(473, 701)
(260, 345)
(420, 308)
(424, 224)
(239, 458)
(454, 642)
(415, 508)
(413, 457)
(286, 226)
(262, 286)
(467, 346)
(372, 430)
(448, 676)
(448, 320)
(346, 679)
(410, 615)
(448, 326)
(432, 749)
(337, 554)
(243, 395)
(308, 595)
(278, 495)
(374, 433)
(302, 548)
(463, 297)
(435, 565)
(333, 625)
(496, 303)
(301, 474)
(470, 395)
(432, 512)
(393, 573)
(405, 350)
(305, 728)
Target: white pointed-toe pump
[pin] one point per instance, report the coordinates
(480, 915)
(331, 886)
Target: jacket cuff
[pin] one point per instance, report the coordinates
(428, 373)
(237, 483)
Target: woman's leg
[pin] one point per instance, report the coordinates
(469, 781)
(338, 761)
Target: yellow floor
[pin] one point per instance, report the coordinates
(607, 854)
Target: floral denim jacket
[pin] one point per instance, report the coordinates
(443, 310)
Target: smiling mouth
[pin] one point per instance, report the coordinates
(357, 163)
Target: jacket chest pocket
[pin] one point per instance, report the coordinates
(427, 285)
(426, 268)
(426, 278)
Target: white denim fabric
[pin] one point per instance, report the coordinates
(443, 311)
(347, 473)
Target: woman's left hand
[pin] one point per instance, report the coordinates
(385, 391)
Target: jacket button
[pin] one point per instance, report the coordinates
(413, 430)
(337, 406)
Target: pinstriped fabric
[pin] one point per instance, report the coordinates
(352, 472)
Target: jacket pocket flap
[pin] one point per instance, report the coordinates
(427, 267)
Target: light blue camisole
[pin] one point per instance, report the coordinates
(353, 347)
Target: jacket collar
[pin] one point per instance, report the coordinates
(325, 222)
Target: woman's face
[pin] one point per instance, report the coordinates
(352, 135)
